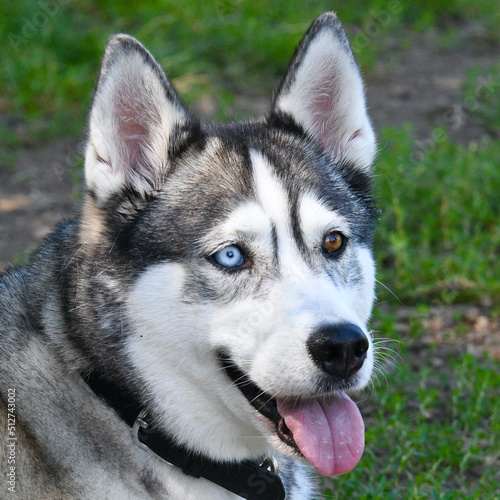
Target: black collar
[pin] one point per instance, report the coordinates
(249, 479)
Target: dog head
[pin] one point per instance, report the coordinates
(239, 256)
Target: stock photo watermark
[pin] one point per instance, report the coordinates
(11, 441)
(456, 117)
(43, 12)
(484, 89)
(378, 21)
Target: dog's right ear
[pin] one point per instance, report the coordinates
(134, 119)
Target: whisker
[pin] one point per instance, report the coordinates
(262, 393)
(385, 340)
(385, 352)
(378, 372)
(389, 290)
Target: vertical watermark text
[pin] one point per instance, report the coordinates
(11, 441)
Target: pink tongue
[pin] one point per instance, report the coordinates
(329, 432)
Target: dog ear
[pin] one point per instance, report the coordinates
(134, 117)
(323, 93)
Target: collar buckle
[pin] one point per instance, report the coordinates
(271, 464)
(140, 423)
(245, 478)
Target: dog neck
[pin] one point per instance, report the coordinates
(253, 480)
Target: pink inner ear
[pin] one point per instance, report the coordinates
(133, 136)
(136, 116)
(325, 118)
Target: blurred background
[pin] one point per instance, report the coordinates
(432, 71)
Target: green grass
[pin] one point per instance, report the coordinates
(51, 56)
(432, 423)
(434, 433)
(433, 430)
(439, 235)
(481, 97)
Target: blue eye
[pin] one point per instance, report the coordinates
(229, 257)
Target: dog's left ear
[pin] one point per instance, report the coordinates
(135, 119)
(323, 93)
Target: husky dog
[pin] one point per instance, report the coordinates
(195, 331)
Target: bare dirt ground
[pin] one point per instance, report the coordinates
(421, 85)
(34, 195)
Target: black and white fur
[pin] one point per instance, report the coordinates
(129, 288)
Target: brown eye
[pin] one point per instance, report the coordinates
(333, 242)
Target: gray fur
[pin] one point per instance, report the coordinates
(65, 314)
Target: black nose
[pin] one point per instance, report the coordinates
(338, 350)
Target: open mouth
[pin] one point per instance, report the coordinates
(260, 400)
(328, 431)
